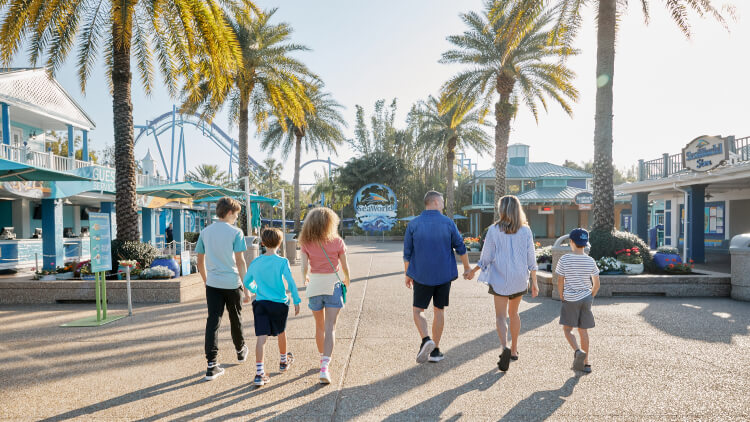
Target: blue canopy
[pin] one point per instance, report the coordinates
(189, 189)
(11, 171)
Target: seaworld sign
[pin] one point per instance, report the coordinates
(375, 207)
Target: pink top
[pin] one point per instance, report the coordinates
(318, 262)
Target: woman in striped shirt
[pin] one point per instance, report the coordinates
(506, 262)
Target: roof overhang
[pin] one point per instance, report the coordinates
(729, 177)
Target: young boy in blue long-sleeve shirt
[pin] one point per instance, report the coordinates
(271, 304)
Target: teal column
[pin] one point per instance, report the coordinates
(109, 208)
(53, 251)
(178, 228)
(85, 152)
(71, 144)
(6, 123)
(149, 226)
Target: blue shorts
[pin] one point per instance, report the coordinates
(336, 300)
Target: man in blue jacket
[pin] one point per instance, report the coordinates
(430, 267)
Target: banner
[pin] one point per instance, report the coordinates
(375, 208)
(100, 242)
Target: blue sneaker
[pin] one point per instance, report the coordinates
(261, 380)
(283, 366)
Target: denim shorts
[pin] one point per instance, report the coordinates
(336, 300)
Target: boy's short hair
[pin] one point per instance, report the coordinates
(431, 196)
(271, 237)
(226, 205)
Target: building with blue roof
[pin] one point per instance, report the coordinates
(556, 199)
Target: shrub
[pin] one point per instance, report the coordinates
(604, 243)
(668, 250)
(191, 237)
(142, 252)
(543, 255)
(157, 272)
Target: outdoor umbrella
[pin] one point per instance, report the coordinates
(190, 189)
(11, 171)
(253, 199)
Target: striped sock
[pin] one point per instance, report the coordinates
(324, 362)
(283, 357)
(259, 370)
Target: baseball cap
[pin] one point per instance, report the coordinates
(580, 237)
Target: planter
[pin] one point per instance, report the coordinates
(632, 268)
(88, 277)
(48, 277)
(663, 259)
(545, 266)
(64, 276)
(170, 263)
(611, 273)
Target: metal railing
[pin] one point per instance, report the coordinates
(668, 164)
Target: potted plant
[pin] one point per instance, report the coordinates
(666, 255)
(157, 273)
(124, 264)
(65, 272)
(84, 271)
(544, 257)
(679, 267)
(472, 243)
(46, 275)
(630, 259)
(166, 261)
(609, 266)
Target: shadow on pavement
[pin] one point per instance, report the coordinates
(541, 404)
(709, 320)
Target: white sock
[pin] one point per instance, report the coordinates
(324, 362)
(259, 370)
(283, 357)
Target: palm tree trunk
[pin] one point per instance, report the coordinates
(297, 157)
(503, 114)
(243, 165)
(122, 111)
(604, 195)
(449, 189)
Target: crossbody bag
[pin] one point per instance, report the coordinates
(343, 286)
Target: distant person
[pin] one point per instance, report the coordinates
(323, 256)
(507, 260)
(265, 278)
(168, 234)
(430, 267)
(221, 263)
(578, 283)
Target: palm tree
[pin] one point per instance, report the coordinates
(447, 124)
(208, 173)
(268, 81)
(188, 39)
(607, 21)
(321, 130)
(511, 57)
(270, 174)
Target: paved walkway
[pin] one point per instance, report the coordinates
(654, 358)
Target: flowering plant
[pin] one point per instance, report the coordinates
(543, 255)
(84, 268)
(128, 263)
(608, 264)
(66, 268)
(157, 272)
(469, 240)
(629, 256)
(537, 245)
(676, 267)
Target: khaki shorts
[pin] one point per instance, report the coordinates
(513, 296)
(578, 314)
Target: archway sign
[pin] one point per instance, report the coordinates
(375, 208)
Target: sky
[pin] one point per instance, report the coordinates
(667, 89)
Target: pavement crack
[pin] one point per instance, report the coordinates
(351, 345)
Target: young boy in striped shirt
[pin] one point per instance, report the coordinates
(577, 283)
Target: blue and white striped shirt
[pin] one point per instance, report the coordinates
(577, 270)
(507, 260)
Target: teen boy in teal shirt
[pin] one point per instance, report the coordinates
(271, 304)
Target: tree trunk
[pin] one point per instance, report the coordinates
(295, 182)
(122, 111)
(243, 165)
(503, 114)
(449, 189)
(604, 195)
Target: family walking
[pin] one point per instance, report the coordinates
(507, 263)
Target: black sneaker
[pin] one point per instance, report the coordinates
(436, 355)
(214, 371)
(504, 361)
(424, 351)
(242, 354)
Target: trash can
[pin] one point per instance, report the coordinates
(252, 250)
(739, 249)
(291, 248)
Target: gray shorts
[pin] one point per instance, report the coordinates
(578, 313)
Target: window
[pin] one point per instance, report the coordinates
(514, 187)
(528, 185)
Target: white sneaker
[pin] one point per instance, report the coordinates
(325, 376)
(425, 350)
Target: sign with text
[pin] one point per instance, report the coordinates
(705, 153)
(185, 262)
(584, 200)
(375, 207)
(100, 242)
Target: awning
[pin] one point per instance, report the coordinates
(190, 189)
(11, 171)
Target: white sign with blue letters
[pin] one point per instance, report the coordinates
(705, 153)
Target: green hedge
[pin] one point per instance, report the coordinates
(605, 243)
(142, 252)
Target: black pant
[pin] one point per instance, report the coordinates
(217, 299)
